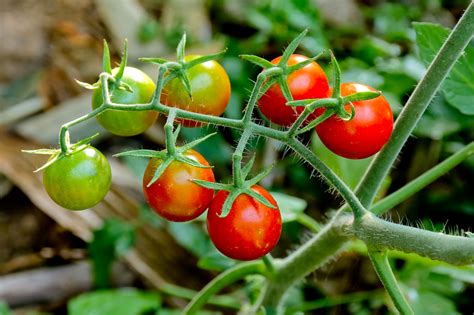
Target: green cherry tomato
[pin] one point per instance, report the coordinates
(128, 123)
(78, 180)
(210, 88)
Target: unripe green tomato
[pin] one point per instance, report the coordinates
(79, 180)
(128, 123)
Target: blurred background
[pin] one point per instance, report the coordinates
(51, 260)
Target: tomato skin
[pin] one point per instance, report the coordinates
(79, 180)
(249, 231)
(210, 86)
(307, 82)
(128, 123)
(366, 133)
(174, 196)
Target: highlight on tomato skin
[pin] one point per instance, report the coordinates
(305, 83)
(250, 230)
(210, 86)
(128, 123)
(79, 180)
(174, 196)
(366, 133)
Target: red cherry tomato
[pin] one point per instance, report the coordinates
(174, 196)
(249, 231)
(210, 86)
(366, 133)
(307, 82)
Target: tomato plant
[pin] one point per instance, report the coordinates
(174, 196)
(78, 180)
(249, 231)
(210, 88)
(366, 133)
(307, 82)
(127, 123)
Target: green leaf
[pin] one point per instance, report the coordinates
(112, 240)
(4, 310)
(191, 237)
(290, 207)
(215, 261)
(116, 302)
(458, 87)
(430, 303)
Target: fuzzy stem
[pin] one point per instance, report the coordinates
(227, 277)
(422, 181)
(384, 271)
(421, 97)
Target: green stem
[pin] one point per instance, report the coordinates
(224, 279)
(237, 158)
(170, 142)
(253, 98)
(422, 181)
(268, 261)
(380, 234)
(330, 176)
(384, 271)
(184, 293)
(308, 222)
(424, 92)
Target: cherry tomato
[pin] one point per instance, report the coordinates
(78, 180)
(128, 123)
(249, 231)
(307, 82)
(210, 88)
(174, 196)
(366, 133)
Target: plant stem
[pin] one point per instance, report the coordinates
(227, 277)
(184, 293)
(308, 222)
(170, 143)
(380, 234)
(422, 181)
(237, 158)
(384, 271)
(421, 97)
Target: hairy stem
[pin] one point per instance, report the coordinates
(384, 271)
(416, 105)
(380, 234)
(422, 181)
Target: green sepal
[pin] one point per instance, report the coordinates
(125, 87)
(259, 198)
(261, 62)
(194, 143)
(303, 64)
(203, 59)
(143, 153)
(361, 96)
(82, 142)
(176, 132)
(160, 170)
(123, 62)
(327, 113)
(259, 176)
(248, 167)
(106, 59)
(42, 151)
(291, 49)
(180, 49)
(285, 89)
(229, 201)
(88, 85)
(266, 86)
(212, 185)
(184, 78)
(336, 92)
(191, 162)
(158, 61)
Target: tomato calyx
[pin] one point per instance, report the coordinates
(244, 188)
(56, 154)
(114, 81)
(279, 73)
(178, 69)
